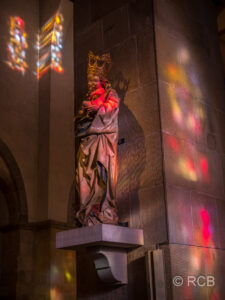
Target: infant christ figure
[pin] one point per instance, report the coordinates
(97, 129)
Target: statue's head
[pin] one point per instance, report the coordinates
(96, 82)
(98, 68)
(93, 82)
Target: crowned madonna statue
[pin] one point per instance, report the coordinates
(97, 129)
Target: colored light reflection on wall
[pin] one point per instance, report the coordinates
(187, 168)
(187, 112)
(17, 45)
(188, 160)
(206, 239)
(50, 46)
(190, 164)
(62, 276)
(215, 296)
(56, 294)
(203, 260)
(206, 231)
(204, 168)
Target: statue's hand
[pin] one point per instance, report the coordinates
(86, 104)
(92, 108)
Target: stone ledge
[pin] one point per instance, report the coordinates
(35, 226)
(101, 234)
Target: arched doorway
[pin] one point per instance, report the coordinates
(10, 176)
(13, 212)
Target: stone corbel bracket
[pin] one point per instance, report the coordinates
(108, 245)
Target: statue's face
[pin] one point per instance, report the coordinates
(93, 82)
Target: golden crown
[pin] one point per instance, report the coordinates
(99, 65)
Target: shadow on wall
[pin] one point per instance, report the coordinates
(131, 157)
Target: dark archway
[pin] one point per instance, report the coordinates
(13, 187)
(9, 204)
(13, 211)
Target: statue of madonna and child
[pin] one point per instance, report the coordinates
(96, 127)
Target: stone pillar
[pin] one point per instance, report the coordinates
(56, 131)
(192, 107)
(36, 160)
(54, 275)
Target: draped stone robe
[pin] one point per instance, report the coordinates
(96, 174)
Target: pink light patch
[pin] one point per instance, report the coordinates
(206, 234)
(173, 143)
(204, 168)
(190, 165)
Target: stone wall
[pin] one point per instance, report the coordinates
(36, 160)
(171, 116)
(37, 115)
(19, 97)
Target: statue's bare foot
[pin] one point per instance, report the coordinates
(107, 217)
(91, 221)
